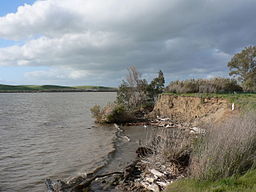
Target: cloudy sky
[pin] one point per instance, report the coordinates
(93, 42)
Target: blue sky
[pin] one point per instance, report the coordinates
(78, 42)
(12, 74)
(8, 6)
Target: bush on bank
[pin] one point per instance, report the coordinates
(135, 98)
(111, 113)
(215, 85)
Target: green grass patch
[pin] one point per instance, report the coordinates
(245, 183)
(244, 100)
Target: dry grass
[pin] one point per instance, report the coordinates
(227, 149)
(170, 147)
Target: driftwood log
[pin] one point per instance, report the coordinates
(77, 186)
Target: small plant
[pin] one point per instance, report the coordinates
(170, 146)
(96, 112)
(111, 113)
(118, 114)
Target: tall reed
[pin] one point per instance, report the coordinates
(227, 149)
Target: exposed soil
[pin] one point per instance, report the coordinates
(192, 110)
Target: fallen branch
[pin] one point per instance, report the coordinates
(78, 186)
(87, 183)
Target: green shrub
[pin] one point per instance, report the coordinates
(111, 113)
(215, 85)
(118, 114)
(96, 113)
(135, 98)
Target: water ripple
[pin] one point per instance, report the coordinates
(46, 135)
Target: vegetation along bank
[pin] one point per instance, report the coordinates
(206, 140)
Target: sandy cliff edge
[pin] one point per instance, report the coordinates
(192, 110)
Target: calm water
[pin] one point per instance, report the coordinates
(46, 135)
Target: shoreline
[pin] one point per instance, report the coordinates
(55, 91)
(126, 172)
(154, 168)
(126, 142)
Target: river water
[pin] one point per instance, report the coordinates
(50, 135)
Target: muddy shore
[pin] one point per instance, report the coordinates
(134, 166)
(127, 140)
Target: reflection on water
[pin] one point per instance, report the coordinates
(49, 135)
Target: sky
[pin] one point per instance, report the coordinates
(93, 42)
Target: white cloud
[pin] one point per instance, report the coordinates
(78, 74)
(70, 76)
(91, 37)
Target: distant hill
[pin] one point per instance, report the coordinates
(53, 88)
(94, 87)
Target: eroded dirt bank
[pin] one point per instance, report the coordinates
(191, 110)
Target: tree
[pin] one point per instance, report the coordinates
(243, 66)
(156, 86)
(136, 95)
(135, 98)
(132, 92)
